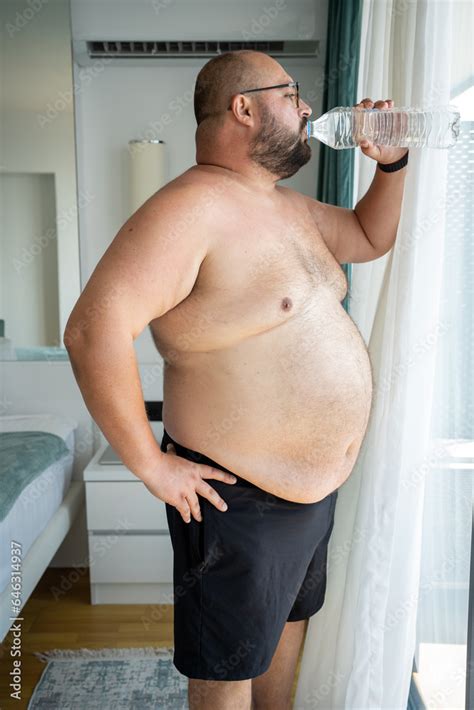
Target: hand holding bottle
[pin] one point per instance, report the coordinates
(382, 154)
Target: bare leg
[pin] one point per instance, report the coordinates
(273, 689)
(222, 694)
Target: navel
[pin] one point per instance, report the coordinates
(286, 303)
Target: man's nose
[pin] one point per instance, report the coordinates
(304, 109)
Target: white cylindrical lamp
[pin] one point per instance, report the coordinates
(147, 170)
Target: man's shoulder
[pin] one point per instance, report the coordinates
(298, 198)
(196, 185)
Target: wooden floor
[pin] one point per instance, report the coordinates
(68, 620)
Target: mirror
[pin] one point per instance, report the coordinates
(39, 268)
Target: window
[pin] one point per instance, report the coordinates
(442, 621)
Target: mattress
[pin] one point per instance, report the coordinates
(38, 502)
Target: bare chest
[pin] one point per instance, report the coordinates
(261, 271)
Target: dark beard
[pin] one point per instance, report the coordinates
(274, 149)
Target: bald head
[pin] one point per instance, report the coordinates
(226, 75)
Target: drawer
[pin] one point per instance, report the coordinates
(130, 558)
(123, 505)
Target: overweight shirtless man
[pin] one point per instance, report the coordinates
(265, 374)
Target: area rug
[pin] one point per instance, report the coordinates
(109, 679)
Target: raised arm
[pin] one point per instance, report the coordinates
(369, 230)
(342, 232)
(150, 266)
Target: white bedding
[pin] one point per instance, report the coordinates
(39, 501)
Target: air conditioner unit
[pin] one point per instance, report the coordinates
(86, 52)
(141, 32)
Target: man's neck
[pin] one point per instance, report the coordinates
(251, 178)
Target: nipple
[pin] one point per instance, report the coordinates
(286, 303)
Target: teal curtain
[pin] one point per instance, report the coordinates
(336, 167)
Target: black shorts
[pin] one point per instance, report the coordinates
(240, 575)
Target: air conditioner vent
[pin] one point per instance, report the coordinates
(123, 49)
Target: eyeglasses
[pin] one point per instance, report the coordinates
(277, 86)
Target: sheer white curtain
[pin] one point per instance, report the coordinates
(359, 648)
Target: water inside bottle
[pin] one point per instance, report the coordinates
(346, 127)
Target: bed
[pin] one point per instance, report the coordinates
(39, 499)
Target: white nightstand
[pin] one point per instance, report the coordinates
(130, 551)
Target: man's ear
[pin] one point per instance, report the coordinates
(243, 109)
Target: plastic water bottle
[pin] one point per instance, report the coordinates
(346, 127)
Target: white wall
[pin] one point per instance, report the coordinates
(199, 19)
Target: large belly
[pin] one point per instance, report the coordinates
(286, 409)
